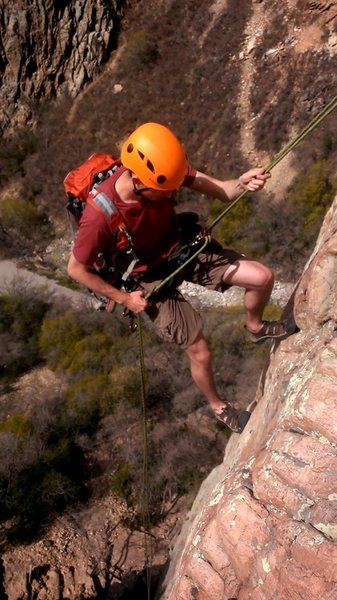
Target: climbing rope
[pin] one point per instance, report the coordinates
(288, 148)
(145, 474)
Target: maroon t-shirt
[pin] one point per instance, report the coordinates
(152, 226)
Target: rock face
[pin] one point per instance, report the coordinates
(264, 524)
(48, 48)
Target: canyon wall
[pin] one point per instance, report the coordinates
(51, 48)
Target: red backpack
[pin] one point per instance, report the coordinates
(79, 182)
(80, 185)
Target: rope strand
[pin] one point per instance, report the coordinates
(288, 148)
(145, 482)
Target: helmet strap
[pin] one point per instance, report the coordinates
(139, 191)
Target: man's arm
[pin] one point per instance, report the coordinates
(83, 274)
(228, 190)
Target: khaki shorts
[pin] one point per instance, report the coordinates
(173, 317)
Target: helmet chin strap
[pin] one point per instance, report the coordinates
(139, 191)
(136, 190)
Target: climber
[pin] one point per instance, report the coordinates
(153, 167)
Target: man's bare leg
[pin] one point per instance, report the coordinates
(202, 373)
(258, 282)
(201, 370)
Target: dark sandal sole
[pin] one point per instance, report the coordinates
(262, 336)
(234, 420)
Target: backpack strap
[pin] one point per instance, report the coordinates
(103, 203)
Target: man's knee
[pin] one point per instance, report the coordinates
(198, 352)
(265, 277)
(249, 274)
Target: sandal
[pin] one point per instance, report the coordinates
(274, 330)
(233, 419)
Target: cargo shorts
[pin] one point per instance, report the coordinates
(174, 318)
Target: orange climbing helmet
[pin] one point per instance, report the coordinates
(155, 155)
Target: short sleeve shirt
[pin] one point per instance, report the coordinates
(152, 226)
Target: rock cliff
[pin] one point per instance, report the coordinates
(264, 524)
(51, 48)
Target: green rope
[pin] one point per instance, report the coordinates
(206, 239)
(288, 148)
(145, 476)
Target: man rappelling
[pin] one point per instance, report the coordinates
(141, 191)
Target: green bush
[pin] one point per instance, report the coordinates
(125, 383)
(230, 230)
(89, 398)
(309, 198)
(14, 152)
(140, 52)
(17, 424)
(21, 316)
(20, 216)
(58, 338)
(57, 490)
(91, 354)
(43, 488)
(121, 481)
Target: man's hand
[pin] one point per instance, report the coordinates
(254, 179)
(135, 301)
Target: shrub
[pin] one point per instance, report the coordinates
(14, 152)
(20, 216)
(58, 339)
(20, 321)
(43, 488)
(57, 490)
(17, 424)
(309, 198)
(91, 354)
(121, 481)
(125, 383)
(140, 52)
(229, 230)
(88, 398)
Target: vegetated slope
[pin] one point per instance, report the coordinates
(235, 80)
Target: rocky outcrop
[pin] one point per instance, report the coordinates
(48, 48)
(264, 524)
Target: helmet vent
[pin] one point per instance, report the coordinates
(161, 179)
(130, 148)
(150, 166)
